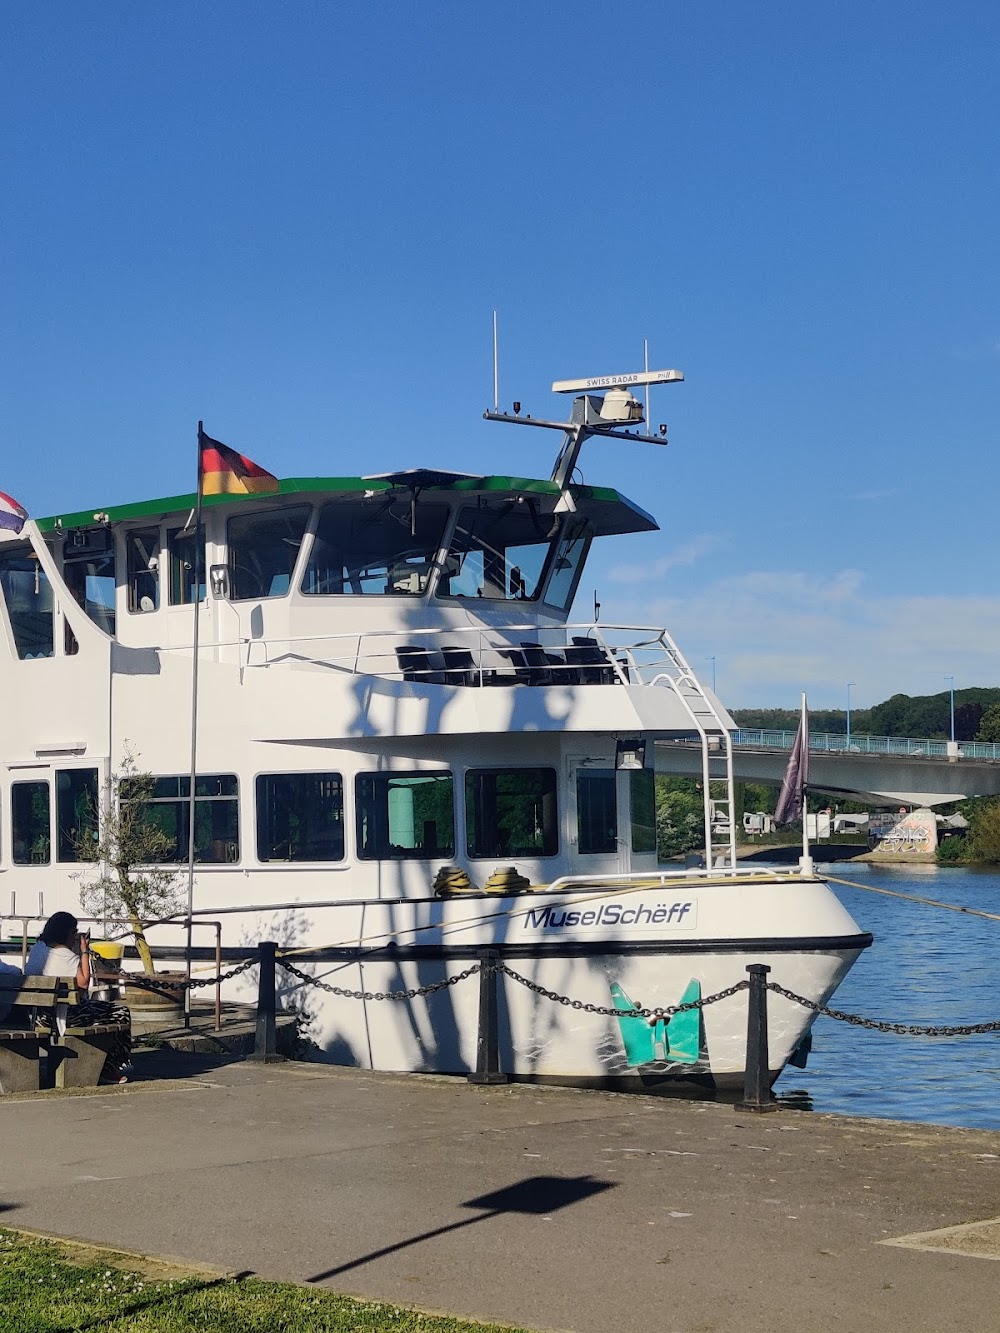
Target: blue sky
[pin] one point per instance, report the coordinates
(294, 221)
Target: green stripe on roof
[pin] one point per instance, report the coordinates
(183, 504)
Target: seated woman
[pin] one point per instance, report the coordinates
(62, 951)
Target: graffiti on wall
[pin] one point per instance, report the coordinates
(903, 834)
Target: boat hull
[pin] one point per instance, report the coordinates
(597, 969)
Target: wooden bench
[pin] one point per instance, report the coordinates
(75, 1056)
(22, 1040)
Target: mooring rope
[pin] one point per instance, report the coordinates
(914, 898)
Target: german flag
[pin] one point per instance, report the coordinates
(222, 471)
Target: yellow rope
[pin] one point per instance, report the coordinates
(913, 898)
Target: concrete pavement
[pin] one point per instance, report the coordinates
(547, 1208)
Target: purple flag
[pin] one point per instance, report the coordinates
(791, 798)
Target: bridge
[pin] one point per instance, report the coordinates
(877, 769)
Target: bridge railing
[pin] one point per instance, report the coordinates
(833, 742)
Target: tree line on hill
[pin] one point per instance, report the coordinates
(977, 716)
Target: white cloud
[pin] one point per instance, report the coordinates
(774, 633)
(685, 555)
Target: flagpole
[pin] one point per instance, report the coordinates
(196, 600)
(806, 864)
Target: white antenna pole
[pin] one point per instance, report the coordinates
(496, 368)
(645, 366)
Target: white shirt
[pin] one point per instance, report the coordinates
(55, 960)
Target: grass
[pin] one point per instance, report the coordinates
(51, 1286)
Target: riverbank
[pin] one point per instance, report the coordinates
(544, 1208)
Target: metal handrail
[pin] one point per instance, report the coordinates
(839, 743)
(24, 920)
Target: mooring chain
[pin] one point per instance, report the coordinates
(877, 1025)
(410, 994)
(666, 1011)
(156, 983)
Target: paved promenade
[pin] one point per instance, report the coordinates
(549, 1209)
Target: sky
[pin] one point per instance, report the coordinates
(294, 221)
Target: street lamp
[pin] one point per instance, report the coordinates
(849, 684)
(951, 694)
(712, 660)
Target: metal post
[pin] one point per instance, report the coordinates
(266, 1043)
(488, 1040)
(849, 684)
(757, 1082)
(218, 973)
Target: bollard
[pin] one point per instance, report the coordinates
(266, 1041)
(757, 1084)
(488, 1040)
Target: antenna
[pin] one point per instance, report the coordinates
(496, 368)
(645, 366)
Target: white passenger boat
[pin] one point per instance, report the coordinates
(406, 751)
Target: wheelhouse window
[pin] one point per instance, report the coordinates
(89, 572)
(28, 597)
(30, 823)
(217, 822)
(499, 551)
(375, 547)
(596, 811)
(511, 812)
(405, 816)
(142, 561)
(642, 797)
(300, 817)
(263, 549)
(76, 812)
(567, 565)
(183, 548)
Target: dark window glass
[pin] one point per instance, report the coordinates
(142, 547)
(642, 795)
(28, 596)
(300, 817)
(89, 571)
(499, 552)
(217, 822)
(567, 565)
(405, 816)
(596, 810)
(511, 812)
(183, 550)
(76, 811)
(263, 549)
(375, 547)
(30, 824)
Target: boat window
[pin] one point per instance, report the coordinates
(76, 812)
(142, 559)
(300, 817)
(405, 816)
(182, 546)
(511, 812)
(499, 551)
(642, 797)
(216, 825)
(596, 810)
(28, 595)
(568, 564)
(29, 823)
(375, 547)
(89, 574)
(263, 549)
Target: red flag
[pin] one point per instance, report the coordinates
(222, 471)
(791, 798)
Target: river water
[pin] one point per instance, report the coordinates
(927, 966)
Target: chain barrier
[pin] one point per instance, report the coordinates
(380, 994)
(155, 983)
(665, 1011)
(877, 1025)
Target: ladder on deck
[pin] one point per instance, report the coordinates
(716, 758)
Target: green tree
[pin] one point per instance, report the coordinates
(680, 816)
(989, 725)
(982, 842)
(130, 850)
